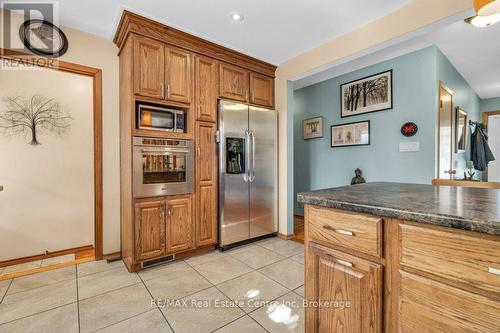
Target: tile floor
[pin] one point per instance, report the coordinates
(255, 288)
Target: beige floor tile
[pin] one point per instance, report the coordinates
(21, 267)
(177, 284)
(204, 312)
(287, 272)
(298, 258)
(149, 322)
(222, 269)
(151, 273)
(63, 319)
(41, 279)
(285, 315)
(4, 285)
(252, 290)
(92, 267)
(255, 256)
(33, 301)
(242, 325)
(285, 248)
(300, 290)
(58, 260)
(102, 282)
(204, 258)
(110, 308)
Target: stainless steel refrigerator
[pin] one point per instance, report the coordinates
(247, 172)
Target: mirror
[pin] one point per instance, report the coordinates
(460, 130)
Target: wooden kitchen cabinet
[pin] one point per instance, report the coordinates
(261, 90)
(206, 88)
(179, 223)
(206, 184)
(337, 278)
(233, 82)
(150, 228)
(178, 75)
(149, 67)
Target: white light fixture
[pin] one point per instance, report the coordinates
(483, 21)
(237, 17)
(487, 7)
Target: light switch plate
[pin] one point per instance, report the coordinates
(405, 147)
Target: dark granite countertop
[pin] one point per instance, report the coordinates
(464, 208)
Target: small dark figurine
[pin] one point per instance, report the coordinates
(358, 179)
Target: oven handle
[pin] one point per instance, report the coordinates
(162, 152)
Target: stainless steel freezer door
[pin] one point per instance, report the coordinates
(263, 171)
(233, 187)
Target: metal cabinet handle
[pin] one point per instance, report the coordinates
(198, 152)
(493, 270)
(246, 94)
(168, 90)
(339, 231)
(169, 212)
(162, 87)
(340, 261)
(252, 96)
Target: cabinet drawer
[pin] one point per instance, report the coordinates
(458, 257)
(350, 230)
(432, 307)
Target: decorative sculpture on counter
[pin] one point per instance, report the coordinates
(358, 179)
(30, 115)
(470, 171)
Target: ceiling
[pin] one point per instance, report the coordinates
(475, 53)
(273, 30)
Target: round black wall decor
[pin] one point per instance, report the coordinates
(409, 129)
(43, 38)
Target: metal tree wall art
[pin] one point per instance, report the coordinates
(32, 115)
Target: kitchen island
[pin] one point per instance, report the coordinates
(391, 257)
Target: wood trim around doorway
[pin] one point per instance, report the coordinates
(96, 75)
(486, 114)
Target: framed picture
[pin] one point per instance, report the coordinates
(351, 134)
(370, 94)
(313, 128)
(460, 130)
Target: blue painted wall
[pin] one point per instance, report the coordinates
(490, 104)
(463, 96)
(317, 165)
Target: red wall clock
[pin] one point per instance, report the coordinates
(409, 129)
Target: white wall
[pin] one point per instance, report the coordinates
(48, 198)
(90, 50)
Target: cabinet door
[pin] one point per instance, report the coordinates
(206, 88)
(179, 224)
(206, 184)
(179, 77)
(149, 67)
(261, 90)
(349, 288)
(233, 82)
(149, 229)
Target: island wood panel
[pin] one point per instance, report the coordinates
(233, 82)
(179, 223)
(206, 180)
(462, 258)
(261, 90)
(150, 229)
(178, 75)
(432, 307)
(338, 277)
(206, 88)
(149, 71)
(358, 232)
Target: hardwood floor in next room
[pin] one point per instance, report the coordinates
(255, 288)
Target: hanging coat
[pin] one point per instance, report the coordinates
(480, 151)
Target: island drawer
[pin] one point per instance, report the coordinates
(354, 231)
(458, 257)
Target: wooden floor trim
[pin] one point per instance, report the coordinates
(81, 251)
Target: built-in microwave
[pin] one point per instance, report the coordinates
(160, 118)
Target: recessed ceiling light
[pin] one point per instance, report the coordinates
(483, 21)
(237, 17)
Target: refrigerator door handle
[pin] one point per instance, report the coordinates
(246, 175)
(252, 170)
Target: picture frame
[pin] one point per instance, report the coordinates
(461, 130)
(312, 128)
(369, 94)
(350, 134)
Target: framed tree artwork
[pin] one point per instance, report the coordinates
(313, 128)
(369, 94)
(351, 134)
